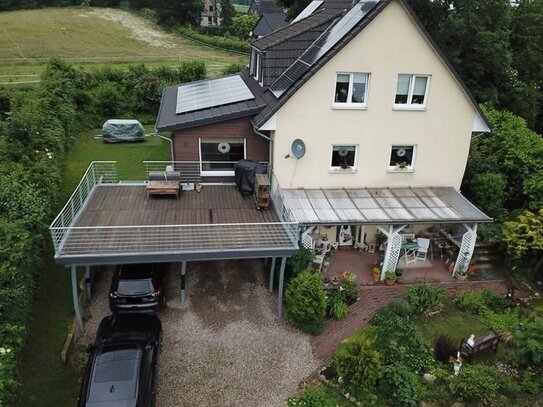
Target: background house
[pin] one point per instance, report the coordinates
(210, 14)
(272, 17)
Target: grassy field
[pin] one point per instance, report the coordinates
(91, 38)
(44, 380)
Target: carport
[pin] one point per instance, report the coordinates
(106, 223)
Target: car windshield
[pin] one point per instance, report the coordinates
(115, 373)
(135, 287)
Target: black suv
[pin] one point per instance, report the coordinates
(137, 287)
(121, 371)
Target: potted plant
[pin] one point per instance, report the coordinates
(402, 165)
(461, 274)
(376, 272)
(390, 278)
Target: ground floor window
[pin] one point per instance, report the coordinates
(219, 155)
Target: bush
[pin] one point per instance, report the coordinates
(232, 44)
(306, 302)
(529, 344)
(314, 397)
(424, 297)
(358, 362)
(531, 381)
(472, 301)
(300, 261)
(233, 68)
(399, 307)
(444, 348)
(337, 307)
(401, 386)
(506, 321)
(350, 290)
(475, 383)
(400, 342)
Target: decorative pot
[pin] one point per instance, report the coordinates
(390, 282)
(461, 276)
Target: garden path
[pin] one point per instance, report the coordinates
(372, 298)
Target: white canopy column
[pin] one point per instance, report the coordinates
(394, 245)
(466, 249)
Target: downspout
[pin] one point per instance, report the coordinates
(168, 139)
(267, 138)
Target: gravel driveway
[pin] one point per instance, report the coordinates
(225, 346)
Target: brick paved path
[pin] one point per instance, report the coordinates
(373, 298)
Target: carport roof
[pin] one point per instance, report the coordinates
(381, 206)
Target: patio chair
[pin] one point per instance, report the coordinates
(422, 251)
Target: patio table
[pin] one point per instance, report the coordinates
(409, 249)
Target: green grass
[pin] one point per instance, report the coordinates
(89, 37)
(241, 8)
(44, 380)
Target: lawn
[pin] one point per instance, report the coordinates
(44, 380)
(92, 38)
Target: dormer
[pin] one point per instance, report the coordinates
(255, 65)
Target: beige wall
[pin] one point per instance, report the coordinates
(389, 45)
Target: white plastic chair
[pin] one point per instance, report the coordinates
(422, 251)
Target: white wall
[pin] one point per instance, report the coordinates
(389, 45)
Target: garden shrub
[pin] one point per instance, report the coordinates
(400, 342)
(358, 362)
(300, 261)
(506, 321)
(531, 380)
(444, 348)
(306, 302)
(349, 290)
(401, 386)
(314, 397)
(472, 301)
(337, 307)
(231, 43)
(529, 344)
(423, 297)
(475, 383)
(399, 307)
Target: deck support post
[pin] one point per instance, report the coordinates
(392, 252)
(272, 274)
(183, 282)
(88, 287)
(75, 298)
(280, 294)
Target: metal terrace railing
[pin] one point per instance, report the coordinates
(98, 172)
(284, 213)
(87, 241)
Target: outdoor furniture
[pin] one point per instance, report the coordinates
(422, 251)
(409, 249)
(163, 183)
(318, 260)
(490, 340)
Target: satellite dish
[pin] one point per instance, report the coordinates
(401, 152)
(343, 152)
(224, 147)
(298, 148)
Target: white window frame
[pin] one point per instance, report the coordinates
(205, 173)
(408, 168)
(351, 105)
(409, 105)
(338, 169)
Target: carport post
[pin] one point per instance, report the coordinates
(183, 282)
(281, 279)
(272, 274)
(88, 292)
(74, 297)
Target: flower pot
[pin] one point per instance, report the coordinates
(461, 276)
(390, 282)
(376, 276)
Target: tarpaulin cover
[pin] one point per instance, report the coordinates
(116, 130)
(245, 174)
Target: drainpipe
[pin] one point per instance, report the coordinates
(168, 139)
(270, 141)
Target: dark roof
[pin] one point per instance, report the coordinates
(168, 120)
(261, 7)
(268, 23)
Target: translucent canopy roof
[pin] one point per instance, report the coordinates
(381, 206)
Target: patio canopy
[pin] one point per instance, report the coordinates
(380, 206)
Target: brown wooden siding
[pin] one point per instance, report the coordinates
(185, 142)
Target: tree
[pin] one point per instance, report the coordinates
(175, 12)
(243, 25)
(524, 236)
(306, 302)
(227, 13)
(294, 7)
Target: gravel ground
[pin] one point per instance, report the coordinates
(225, 346)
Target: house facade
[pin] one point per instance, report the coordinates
(382, 118)
(210, 14)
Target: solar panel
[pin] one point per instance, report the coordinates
(323, 44)
(214, 92)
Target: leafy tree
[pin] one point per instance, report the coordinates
(243, 25)
(529, 345)
(173, 12)
(489, 192)
(294, 7)
(109, 100)
(524, 237)
(306, 302)
(227, 13)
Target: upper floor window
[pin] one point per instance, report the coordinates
(211, 8)
(411, 91)
(402, 158)
(351, 90)
(343, 157)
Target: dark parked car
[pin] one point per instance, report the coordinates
(137, 287)
(121, 371)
